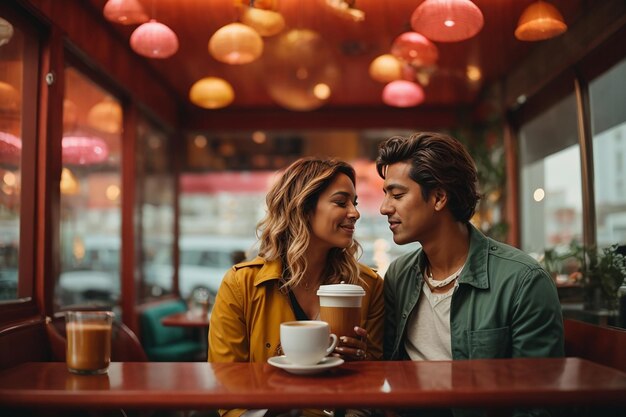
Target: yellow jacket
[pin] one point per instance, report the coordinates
(246, 317)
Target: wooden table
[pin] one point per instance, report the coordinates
(190, 320)
(502, 383)
(186, 319)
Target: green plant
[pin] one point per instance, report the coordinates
(603, 271)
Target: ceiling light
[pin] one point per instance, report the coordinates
(106, 116)
(10, 97)
(84, 150)
(296, 62)
(125, 12)
(211, 93)
(415, 49)
(473, 73)
(154, 40)
(386, 68)
(236, 44)
(403, 93)
(259, 137)
(540, 21)
(346, 9)
(10, 148)
(200, 141)
(447, 20)
(69, 184)
(321, 91)
(6, 31)
(265, 22)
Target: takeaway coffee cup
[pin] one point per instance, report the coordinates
(88, 341)
(306, 342)
(340, 307)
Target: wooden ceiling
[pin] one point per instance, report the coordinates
(495, 50)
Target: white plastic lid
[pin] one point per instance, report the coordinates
(340, 290)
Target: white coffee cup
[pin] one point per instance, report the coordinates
(340, 307)
(306, 342)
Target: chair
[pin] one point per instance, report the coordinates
(168, 344)
(125, 346)
(604, 345)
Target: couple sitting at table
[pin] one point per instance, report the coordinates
(460, 296)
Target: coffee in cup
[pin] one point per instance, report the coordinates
(88, 341)
(340, 307)
(306, 342)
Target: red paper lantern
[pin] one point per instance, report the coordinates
(415, 49)
(84, 150)
(447, 20)
(154, 40)
(403, 93)
(10, 149)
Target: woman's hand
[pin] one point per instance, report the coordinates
(353, 348)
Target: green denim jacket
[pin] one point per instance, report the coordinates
(505, 305)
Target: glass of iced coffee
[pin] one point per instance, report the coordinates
(340, 307)
(88, 341)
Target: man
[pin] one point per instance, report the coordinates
(461, 295)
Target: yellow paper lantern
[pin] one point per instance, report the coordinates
(106, 116)
(211, 93)
(386, 68)
(69, 184)
(10, 98)
(300, 70)
(265, 22)
(540, 21)
(236, 44)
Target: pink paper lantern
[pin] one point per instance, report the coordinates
(415, 49)
(10, 149)
(403, 93)
(84, 150)
(125, 12)
(154, 40)
(447, 20)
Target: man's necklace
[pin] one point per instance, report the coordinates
(441, 283)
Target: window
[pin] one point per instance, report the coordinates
(226, 177)
(19, 51)
(156, 187)
(90, 210)
(551, 196)
(608, 100)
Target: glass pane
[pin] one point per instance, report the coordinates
(11, 95)
(156, 176)
(90, 196)
(608, 101)
(551, 196)
(224, 182)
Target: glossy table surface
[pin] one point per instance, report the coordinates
(186, 319)
(478, 383)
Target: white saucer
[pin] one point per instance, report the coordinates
(325, 364)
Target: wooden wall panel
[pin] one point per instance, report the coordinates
(101, 47)
(348, 118)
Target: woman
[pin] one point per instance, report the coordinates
(306, 241)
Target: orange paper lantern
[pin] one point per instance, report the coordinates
(540, 21)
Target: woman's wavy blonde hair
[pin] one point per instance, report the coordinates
(285, 230)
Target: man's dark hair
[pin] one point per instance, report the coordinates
(437, 161)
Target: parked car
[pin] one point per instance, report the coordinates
(95, 277)
(203, 262)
